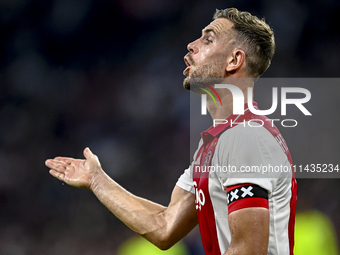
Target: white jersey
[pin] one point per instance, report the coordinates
(238, 166)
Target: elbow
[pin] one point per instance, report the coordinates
(164, 247)
(162, 242)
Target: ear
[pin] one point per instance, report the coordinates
(235, 61)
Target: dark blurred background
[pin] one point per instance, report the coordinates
(108, 75)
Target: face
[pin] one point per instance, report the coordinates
(207, 57)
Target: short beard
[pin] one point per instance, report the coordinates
(207, 74)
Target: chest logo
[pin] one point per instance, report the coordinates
(200, 198)
(207, 158)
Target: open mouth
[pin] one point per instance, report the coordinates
(186, 62)
(186, 71)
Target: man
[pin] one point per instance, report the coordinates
(237, 212)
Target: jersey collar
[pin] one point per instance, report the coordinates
(216, 131)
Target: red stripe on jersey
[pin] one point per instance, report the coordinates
(204, 207)
(248, 202)
(291, 224)
(229, 188)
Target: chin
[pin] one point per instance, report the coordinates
(186, 83)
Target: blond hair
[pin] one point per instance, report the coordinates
(254, 36)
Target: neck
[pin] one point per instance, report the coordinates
(223, 111)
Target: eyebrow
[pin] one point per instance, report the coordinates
(208, 30)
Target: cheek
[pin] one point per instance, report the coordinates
(212, 56)
(206, 55)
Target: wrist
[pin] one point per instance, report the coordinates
(97, 179)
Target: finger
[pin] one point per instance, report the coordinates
(64, 159)
(59, 168)
(52, 163)
(88, 153)
(58, 175)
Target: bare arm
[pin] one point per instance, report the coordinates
(163, 226)
(249, 229)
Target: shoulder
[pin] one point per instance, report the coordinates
(249, 150)
(245, 136)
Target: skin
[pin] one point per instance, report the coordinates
(213, 55)
(162, 226)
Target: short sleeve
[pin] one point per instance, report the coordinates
(185, 181)
(251, 153)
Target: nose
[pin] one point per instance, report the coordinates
(192, 47)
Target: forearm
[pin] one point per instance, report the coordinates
(142, 216)
(163, 226)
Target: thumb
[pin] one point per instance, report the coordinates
(88, 153)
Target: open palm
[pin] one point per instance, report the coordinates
(75, 172)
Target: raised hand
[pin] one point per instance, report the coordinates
(75, 172)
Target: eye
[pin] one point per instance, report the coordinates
(208, 41)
